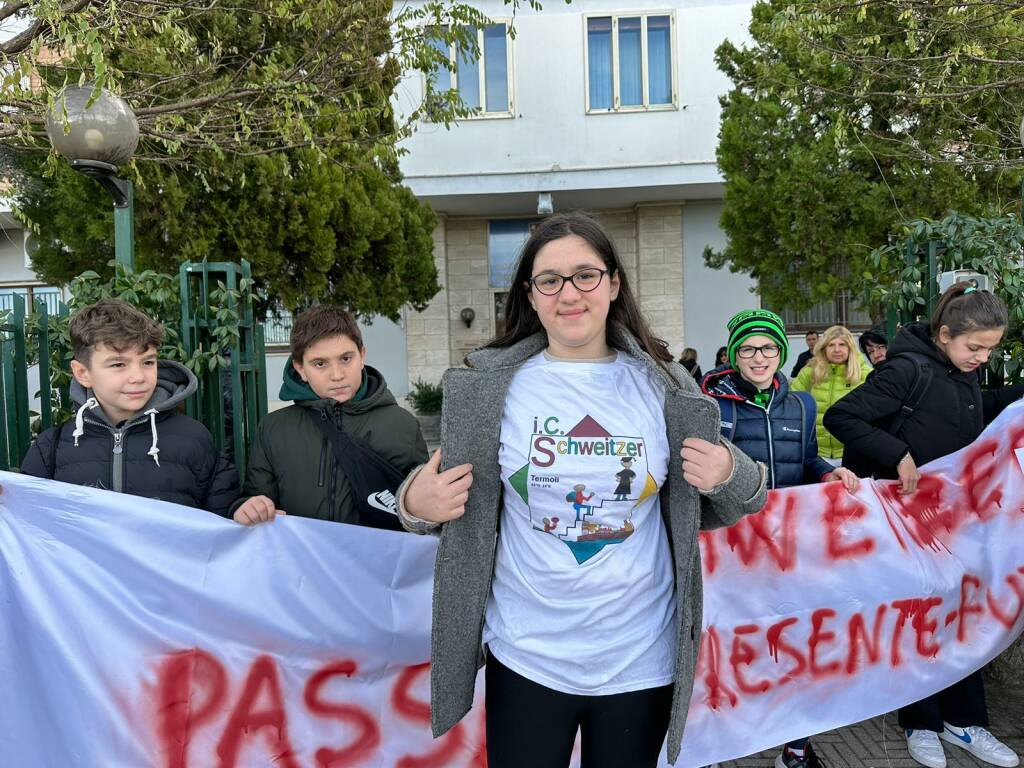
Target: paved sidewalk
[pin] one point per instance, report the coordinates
(879, 743)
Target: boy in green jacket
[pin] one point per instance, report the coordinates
(293, 466)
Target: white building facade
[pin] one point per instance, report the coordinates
(606, 106)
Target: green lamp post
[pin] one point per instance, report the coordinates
(96, 138)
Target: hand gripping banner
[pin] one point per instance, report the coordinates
(137, 633)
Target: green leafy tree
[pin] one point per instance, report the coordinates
(312, 229)
(267, 134)
(812, 183)
(958, 63)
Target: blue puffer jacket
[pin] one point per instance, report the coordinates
(782, 436)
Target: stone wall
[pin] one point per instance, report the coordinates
(660, 271)
(468, 287)
(426, 332)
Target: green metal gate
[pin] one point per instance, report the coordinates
(246, 388)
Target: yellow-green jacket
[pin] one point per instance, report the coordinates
(829, 391)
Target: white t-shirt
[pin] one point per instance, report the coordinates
(582, 599)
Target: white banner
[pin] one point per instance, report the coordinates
(826, 608)
(138, 633)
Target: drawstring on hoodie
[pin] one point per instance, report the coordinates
(89, 404)
(92, 402)
(153, 450)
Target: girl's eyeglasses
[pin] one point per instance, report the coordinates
(586, 280)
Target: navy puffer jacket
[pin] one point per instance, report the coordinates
(781, 435)
(159, 453)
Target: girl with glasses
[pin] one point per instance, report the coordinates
(586, 620)
(771, 424)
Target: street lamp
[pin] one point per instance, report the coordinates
(96, 138)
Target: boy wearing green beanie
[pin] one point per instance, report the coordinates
(757, 322)
(771, 424)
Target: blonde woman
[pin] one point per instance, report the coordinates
(835, 369)
(689, 361)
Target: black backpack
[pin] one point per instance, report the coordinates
(922, 381)
(866, 466)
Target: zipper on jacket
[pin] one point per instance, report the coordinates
(117, 471)
(323, 463)
(771, 440)
(332, 481)
(831, 399)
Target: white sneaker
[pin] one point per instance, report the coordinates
(924, 746)
(980, 743)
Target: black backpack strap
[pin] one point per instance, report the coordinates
(922, 380)
(731, 420)
(373, 479)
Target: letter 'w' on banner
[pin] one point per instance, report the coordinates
(137, 633)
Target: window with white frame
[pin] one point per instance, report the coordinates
(484, 81)
(630, 62)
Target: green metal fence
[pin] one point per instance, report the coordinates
(230, 401)
(17, 336)
(246, 386)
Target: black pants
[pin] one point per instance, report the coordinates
(531, 726)
(961, 704)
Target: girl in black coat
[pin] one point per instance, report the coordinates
(952, 412)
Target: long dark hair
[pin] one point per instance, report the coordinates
(964, 308)
(521, 320)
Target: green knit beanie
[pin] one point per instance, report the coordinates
(757, 322)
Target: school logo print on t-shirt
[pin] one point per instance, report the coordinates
(581, 485)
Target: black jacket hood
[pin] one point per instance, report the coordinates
(916, 337)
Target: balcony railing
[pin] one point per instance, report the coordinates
(50, 296)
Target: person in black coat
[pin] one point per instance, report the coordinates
(964, 329)
(128, 434)
(811, 337)
(874, 344)
(689, 361)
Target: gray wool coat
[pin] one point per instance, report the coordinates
(474, 399)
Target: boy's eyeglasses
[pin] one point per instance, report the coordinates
(586, 280)
(768, 350)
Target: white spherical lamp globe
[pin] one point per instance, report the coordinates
(105, 131)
